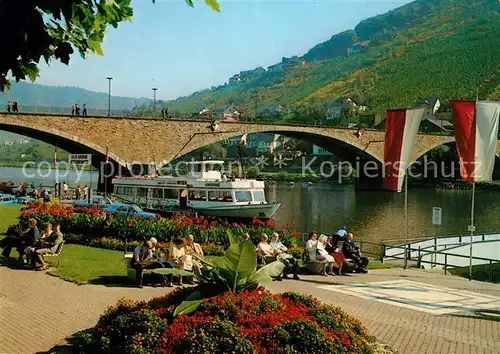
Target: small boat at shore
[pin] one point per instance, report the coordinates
(204, 190)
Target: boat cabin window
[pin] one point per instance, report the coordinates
(125, 190)
(171, 193)
(195, 194)
(259, 196)
(158, 193)
(220, 196)
(243, 196)
(142, 192)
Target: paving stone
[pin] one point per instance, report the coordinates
(38, 311)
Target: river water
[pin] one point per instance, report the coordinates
(371, 215)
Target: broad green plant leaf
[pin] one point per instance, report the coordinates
(189, 305)
(230, 236)
(266, 272)
(242, 256)
(214, 5)
(190, 3)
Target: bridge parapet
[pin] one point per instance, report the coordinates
(146, 140)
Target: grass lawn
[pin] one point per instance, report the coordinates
(83, 264)
(8, 216)
(479, 272)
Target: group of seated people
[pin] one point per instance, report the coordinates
(32, 246)
(325, 250)
(180, 255)
(276, 250)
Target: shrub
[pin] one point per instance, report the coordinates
(93, 223)
(249, 322)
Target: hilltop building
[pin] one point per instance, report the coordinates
(335, 107)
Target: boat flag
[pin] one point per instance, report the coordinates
(476, 132)
(107, 154)
(401, 128)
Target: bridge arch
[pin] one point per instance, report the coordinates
(61, 139)
(345, 142)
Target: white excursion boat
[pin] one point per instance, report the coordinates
(204, 190)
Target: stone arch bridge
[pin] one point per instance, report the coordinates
(146, 141)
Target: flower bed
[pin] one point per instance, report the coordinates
(254, 321)
(92, 223)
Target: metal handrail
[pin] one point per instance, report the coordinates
(410, 240)
(447, 246)
(409, 249)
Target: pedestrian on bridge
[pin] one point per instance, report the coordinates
(84, 112)
(9, 107)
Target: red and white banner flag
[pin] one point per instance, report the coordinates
(401, 128)
(476, 134)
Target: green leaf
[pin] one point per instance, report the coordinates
(243, 258)
(189, 305)
(190, 3)
(230, 236)
(265, 273)
(95, 46)
(213, 4)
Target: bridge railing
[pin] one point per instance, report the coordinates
(99, 113)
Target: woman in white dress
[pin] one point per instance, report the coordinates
(317, 253)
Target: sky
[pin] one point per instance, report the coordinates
(180, 49)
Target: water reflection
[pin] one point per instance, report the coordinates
(374, 216)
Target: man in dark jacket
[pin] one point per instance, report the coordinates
(49, 246)
(27, 239)
(350, 250)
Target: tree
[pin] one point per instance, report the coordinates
(48, 29)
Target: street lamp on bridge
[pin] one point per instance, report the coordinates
(154, 101)
(109, 95)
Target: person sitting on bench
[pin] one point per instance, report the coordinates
(27, 239)
(48, 245)
(291, 265)
(142, 259)
(263, 249)
(353, 252)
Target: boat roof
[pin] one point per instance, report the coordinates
(206, 162)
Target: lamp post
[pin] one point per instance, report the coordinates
(109, 95)
(154, 101)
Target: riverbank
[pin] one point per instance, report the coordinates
(45, 165)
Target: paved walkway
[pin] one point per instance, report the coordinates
(412, 311)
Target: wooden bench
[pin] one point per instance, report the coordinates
(127, 258)
(56, 254)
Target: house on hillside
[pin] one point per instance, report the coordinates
(286, 63)
(431, 104)
(8, 143)
(358, 47)
(433, 125)
(335, 107)
(250, 74)
(23, 141)
(229, 112)
(271, 110)
(235, 79)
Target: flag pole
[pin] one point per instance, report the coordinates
(406, 221)
(471, 228)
